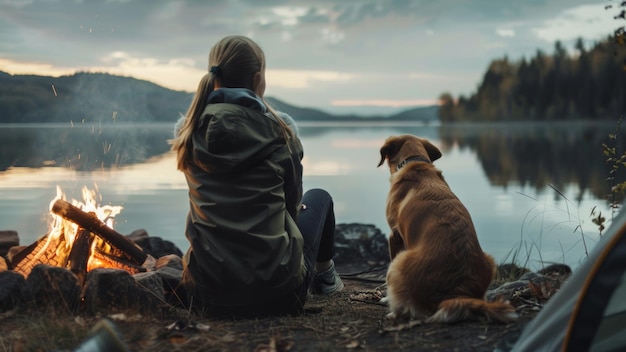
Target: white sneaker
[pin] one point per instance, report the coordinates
(327, 281)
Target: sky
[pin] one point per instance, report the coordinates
(340, 56)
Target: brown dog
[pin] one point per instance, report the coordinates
(437, 266)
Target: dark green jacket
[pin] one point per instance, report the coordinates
(245, 191)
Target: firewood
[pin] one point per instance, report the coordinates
(92, 223)
(79, 254)
(105, 260)
(42, 251)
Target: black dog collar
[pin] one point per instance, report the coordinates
(412, 159)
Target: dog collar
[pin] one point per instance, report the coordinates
(410, 159)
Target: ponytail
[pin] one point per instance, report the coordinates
(182, 143)
(288, 132)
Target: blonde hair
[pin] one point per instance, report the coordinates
(241, 64)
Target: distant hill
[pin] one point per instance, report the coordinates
(423, 113)
(88, 97)
(103, 98)
(298, 113)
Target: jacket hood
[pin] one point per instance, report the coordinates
(235, 131)
(239, 96)
(243, 97)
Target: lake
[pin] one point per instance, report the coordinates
(530, 188)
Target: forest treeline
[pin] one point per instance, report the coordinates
(584, 84)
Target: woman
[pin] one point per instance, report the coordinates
(257, 243)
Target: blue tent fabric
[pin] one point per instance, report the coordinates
(602, 284)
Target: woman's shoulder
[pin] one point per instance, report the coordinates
(289, 121)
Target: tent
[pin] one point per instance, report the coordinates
(589, 312)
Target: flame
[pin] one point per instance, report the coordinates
(67, 245)
(65, 232)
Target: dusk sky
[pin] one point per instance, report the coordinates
(335, 55)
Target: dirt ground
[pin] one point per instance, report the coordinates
(349, 320)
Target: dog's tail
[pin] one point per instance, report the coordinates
(461, 308)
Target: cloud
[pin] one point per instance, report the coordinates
(299, 79)
(505, 32)
(176, 73)
(586, 21)
(319, 52)
(26, 67)
(289, 15)
(332, 36)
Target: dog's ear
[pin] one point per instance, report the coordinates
(389, 149)
(433, 152)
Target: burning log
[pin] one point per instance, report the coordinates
(104, 260)
(90, 222)
(79, 254)
(43, 251)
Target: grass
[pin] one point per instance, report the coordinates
(551, 221)
(31, 332)
(522, 254)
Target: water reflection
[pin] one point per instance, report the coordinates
(539, 155)
(525, 154)
(500, 172)
(81, 147)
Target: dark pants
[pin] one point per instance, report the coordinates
(316, 222)
(317, 225)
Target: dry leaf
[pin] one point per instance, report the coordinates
(404, 326)
(353, 344)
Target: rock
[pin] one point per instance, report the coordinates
(509, 272)
(12, 287)
(13, 252)
(158, 247)
(360, 243)
(150, 263)
(533, 287)
(52, 288)
(152, 283)
(530, 276)
(8, 239)
(171, 260)
(556, 269)
(170, 267)
(507, 291)
(109, 291)
(138, 235)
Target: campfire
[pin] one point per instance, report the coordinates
(81, 238)
(82, 265)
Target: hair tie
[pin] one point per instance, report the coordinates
(216, 70)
